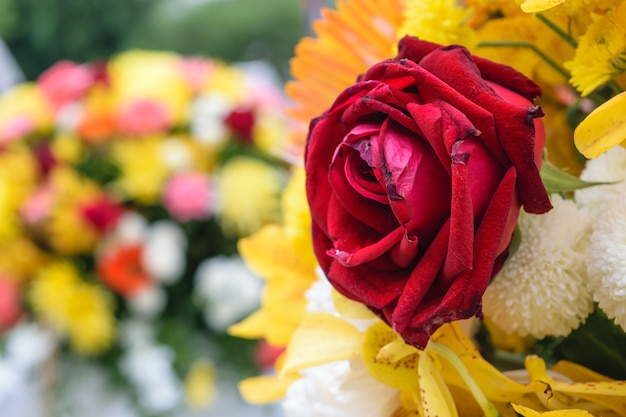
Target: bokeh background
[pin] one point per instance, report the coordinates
(258, 35)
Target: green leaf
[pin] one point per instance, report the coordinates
(597, 344)
(557, 180)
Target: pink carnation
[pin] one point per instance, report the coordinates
(188, 196)
(196, 71)
(16, 128)
(143, 117)
(66, 81)
(10, 307)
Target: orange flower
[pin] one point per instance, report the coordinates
(121, 270)
(348, 41)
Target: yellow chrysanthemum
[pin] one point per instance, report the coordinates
(20, 258)
(245, 183)
(270, 131)
(283, 257)
(82, 311)
(440, 21)
(91, 326)
(601, 52)
(71, 192)
(142, 170)
(140, 75)
(525, 29)
(24, 103)
(67, 148)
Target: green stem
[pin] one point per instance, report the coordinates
(488, 408)
(566, 37)
(615, 87)
(521, 44)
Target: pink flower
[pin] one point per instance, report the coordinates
(66, 81)
(37, 208)
(188, 196)
(10, 307)
(196, 70)
(16, 128)
(143, 117)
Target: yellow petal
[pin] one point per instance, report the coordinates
(535, 6)
(395, 351)
(320, 338)
(350, 309)
(401, 374)
(264, 389)
(436, 398)
(527, 412)
(603, 129)
(496, 386)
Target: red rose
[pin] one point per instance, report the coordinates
(415, 179)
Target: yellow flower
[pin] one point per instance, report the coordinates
(24, 103)
(227, 81)
(601, 52)
(20, 258)
(200, 384)
(71, 192)
(140, 75)
(143, 171)
(283, 257)
(245, 183)
(81, 311)
(18, 175)
(440, 21)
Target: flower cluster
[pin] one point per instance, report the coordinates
(124, 186)
(459, 159)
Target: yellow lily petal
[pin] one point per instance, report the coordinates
(527, 412)
(492, 382)
(320, 338)
(578, 373)
(536, 6)
(401, 374)
(436, 398)
(395, 351)
(603, 129)
(350, 309)
(264, 389)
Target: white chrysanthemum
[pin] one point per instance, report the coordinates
(609, 167)
(207, 118)
(542, 288)
(149, 302)
(337, 389)
(227, 289)
(606, 261)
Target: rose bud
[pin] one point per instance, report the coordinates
(415, 179)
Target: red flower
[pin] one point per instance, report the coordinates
(103, 213)
(415, 179)
(121, 270)
(241, 123)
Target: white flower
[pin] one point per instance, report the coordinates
(609, 167)
(163, 254)
(149, 302)
(542, 288)
(339, 389)
(208, 113)
(176, 155)
(150, 369)
(318, 295)
(606, 261)
(227, 289)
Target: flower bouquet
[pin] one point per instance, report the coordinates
(451, 242)
(125, 185)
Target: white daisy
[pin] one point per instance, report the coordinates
(542, 287)
(606, 261)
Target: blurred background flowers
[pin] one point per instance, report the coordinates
(140, 140)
